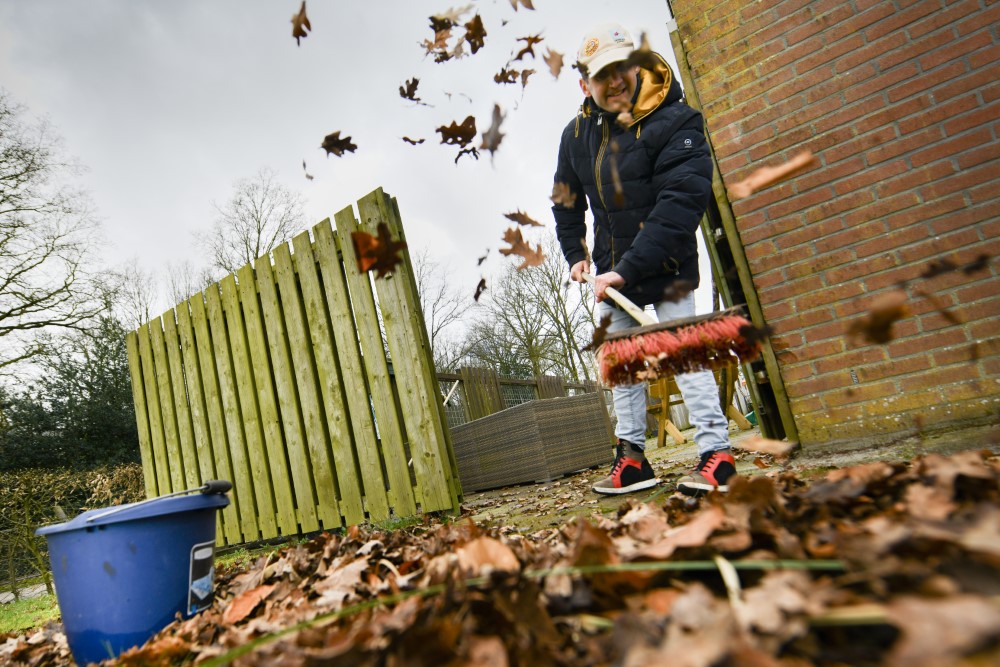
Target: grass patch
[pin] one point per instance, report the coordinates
(27, 614)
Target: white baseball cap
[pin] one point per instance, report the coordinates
(605, 44)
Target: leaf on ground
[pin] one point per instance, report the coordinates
(767, 176)
(884, 310)
(522, 219)
(493, 136)
(244, 604)
(531, 256)
(562, 195)
(942, 631)
(694, 533)
(300, 24)
(460, 135)
(485, 554)
(554, 60)
(379, 252)
(341, 581)
(332, 143)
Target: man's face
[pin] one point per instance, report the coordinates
(612, 87)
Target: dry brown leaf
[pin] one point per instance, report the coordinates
(941, 631)
(408, 91)
(475, 33)
(692, 534)
(600, 333)
(413, 142)
(531, 256)
(524, 3)
(554, 60)
(460, 135)
(480, 288)
(767, 176)
(522, 219)
(332, 143)
(884, 311)
(379, 252)
(483, 554)
(524, 77)
(244, 604)
(470, 150)
(300, 24)
(493, 136)
(506, 75)
(562, 195)
(529, 48)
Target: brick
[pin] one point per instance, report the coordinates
(984, 58)
(880, 83)
(768, 279)
(818, 263)
(926, 211)
(939, 376)
(986, 193)
(985, 289)
(822, 174)
(883, 206)
(869, 52)
(979, 20)
(802, 320)
(935, 246)
(819, 384)
(913, 49)
(806, 404)
(891, 241)
(827, 296)
(981, 139)
(965, 80)
(981, 116)
(820, 349)
(925, 82)
(904, 402)
(808, 233)
(790, 289)
(938, 113)
(900, 19)
(848, 237)
(954, 49)
(799, 202)
(963, 180)
(894, 368)
(904, 145)
(855, 359)
(975, 391)
(942, 19)
(868, 177)
(860, 393)
(927, 343)
(914, 178)
(892, 277)
(760, 250)
(857, 270)
(856, 145)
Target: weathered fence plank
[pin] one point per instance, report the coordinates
(185, 431)
(168, 420)
(159, 450)
(141, 418)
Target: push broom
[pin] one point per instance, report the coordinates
(660, 349)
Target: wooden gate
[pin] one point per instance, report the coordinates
(277, 378)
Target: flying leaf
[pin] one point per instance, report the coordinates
(409, 92)
(600, 332)
(940, 306)
(506, 75)
(300, 24)
(554, 60)
(777, 448)
(524, 3)
(480, 288)
(439, 47)
(531, 256)
(616, 179)
(471, 150)
(332, 143)
(766, 176)
(458, 134)
(493, 136)
(522, 219)
(884, 311)
(529, 48)
(981, 263)
(677, 290)
(475, 33)
(483, 258)
(643, 55)
(755, 334)
(308, 175)
(377, 252)
(562, 195)
(524, 76)
(449, 18)
(413, 142)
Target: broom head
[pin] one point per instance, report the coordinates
(698, 343)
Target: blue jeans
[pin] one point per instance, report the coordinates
(701, 394)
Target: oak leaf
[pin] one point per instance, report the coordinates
(300, 24)
(524, 3)
(522, 219)
(529, 48)
(377, 252)
(449, 18)
(471, 150)
(332, 143)
(413, 142)
(409, 91)
(531, 256)
(475, 33)
(562, 195)
(524, 77)
(980, 263)
(493, 136)
(885, 310)
(457, 134)
(480, 288)
(244, 604)
(506, 75)
(554, 60)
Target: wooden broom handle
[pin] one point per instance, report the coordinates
(635, 311)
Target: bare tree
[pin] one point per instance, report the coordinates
(261, 215)
(47, 232)
(134, 295)
(442, 304)
(184, 280)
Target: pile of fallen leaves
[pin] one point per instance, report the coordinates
(878, 564)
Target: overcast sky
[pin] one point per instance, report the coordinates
(167, 104)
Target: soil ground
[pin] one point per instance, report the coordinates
(531, 507)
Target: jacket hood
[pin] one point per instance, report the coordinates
(656, 86)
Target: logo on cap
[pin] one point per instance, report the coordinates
(618, 37)
(590, 48)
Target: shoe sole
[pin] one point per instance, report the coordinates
(638, 486)
(695, 489)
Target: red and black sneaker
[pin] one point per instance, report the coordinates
(712, 474)
(630, 472)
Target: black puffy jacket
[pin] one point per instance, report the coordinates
(665, 168)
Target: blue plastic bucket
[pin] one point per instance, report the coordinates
(123, 573)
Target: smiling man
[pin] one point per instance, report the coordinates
(639, 155)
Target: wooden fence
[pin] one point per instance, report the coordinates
(277, 378)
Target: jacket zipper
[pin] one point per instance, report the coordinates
(597, 178)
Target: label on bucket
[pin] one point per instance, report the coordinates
(202, 577)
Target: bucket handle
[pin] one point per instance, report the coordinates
(211, 486)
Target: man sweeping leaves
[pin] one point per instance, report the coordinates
(640, 156)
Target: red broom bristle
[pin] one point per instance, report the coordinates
(704, 346)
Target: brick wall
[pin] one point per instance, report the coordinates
(899, 102)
